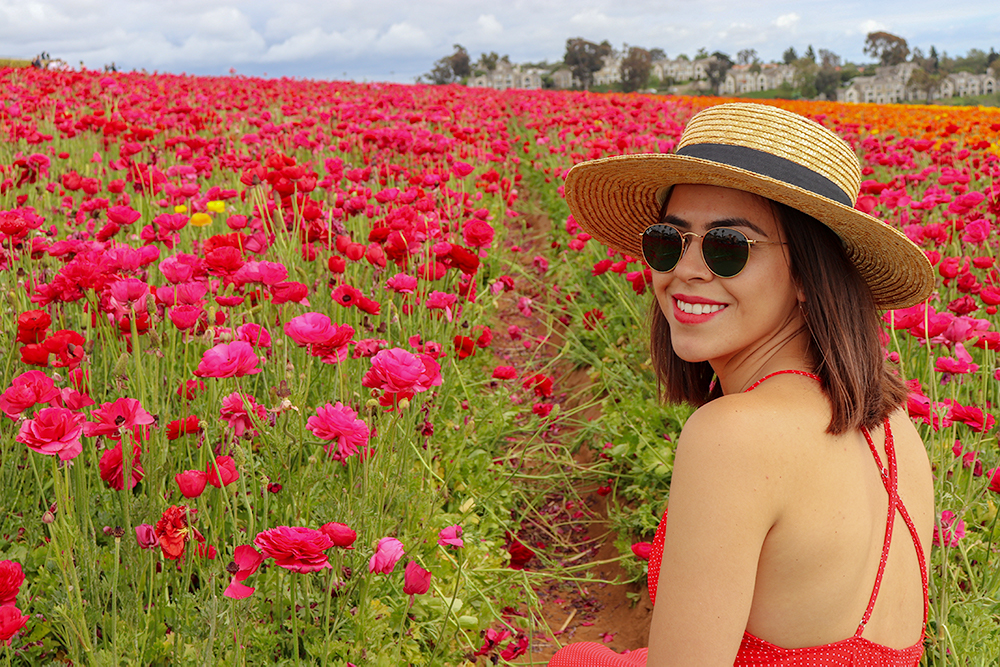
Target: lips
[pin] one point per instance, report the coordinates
(695, 310)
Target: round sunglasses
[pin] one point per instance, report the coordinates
(724, 250)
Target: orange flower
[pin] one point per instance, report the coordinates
(172, 531)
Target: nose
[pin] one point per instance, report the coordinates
(691, 265)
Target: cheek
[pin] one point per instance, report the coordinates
(661, 281)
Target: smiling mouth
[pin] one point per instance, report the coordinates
(699, 308)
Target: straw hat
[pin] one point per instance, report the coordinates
(767, 151)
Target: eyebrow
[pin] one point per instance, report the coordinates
(681, 223)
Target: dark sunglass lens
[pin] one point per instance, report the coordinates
(725, 251)
(661, 247)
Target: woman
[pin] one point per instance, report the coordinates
(780, 547)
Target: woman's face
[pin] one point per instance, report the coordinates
(725, 320)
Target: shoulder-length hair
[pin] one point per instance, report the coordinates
(843, 325)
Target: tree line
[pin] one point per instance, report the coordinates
(816, 72)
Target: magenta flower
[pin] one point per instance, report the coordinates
(247, 560)
(184, 317)
(397, 371)
(54, 431)
(402, 283)
(11, 578)
(113, 419)
(145, 536)
(295, 548)
(26, 390)
(961, 363)
(387, 554)
(478, 234)
(339, 424)
(416, 580)
(451, 537)
(234, 359)
(951, 531)
(254, 334)
(309, 328)
(237, 411)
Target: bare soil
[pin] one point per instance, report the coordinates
(616, 614)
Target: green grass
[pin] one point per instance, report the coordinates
(14, 62)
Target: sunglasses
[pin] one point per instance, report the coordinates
(724, 250)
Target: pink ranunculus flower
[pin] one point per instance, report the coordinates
(478, 234)
(119, 416)
(397, 371)
(247, 561)
(234, 359)
(641, 550)
(54, 431)
(387, 554)
(295, 548)
(951, 530)
(238, 410)
(339, 424)
(309, 328)
(416, 580)
(145, 536)
(451, 537)
(26, 390)
(335, 348)
(402, 283)
(184, 317)
(254, 334)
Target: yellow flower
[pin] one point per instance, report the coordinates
(180, 209)
(217, 207)
(201, 219)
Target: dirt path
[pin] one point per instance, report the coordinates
(614, 614)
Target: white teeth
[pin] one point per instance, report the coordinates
(699, 308)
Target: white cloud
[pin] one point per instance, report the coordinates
(787, 21)
(403, 37)
(871, 25)
(489, 26)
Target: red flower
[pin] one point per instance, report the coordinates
(32, 325)
(340, 533)
(222, 472)
(295, 548)
(504, 373)
(172, 530)
(191, 482)
(464, 346)
(540, 384)
(520, 553)
(641, 550)
(113, 470)
(11, 622)
(11, 578)
(190, 388)
(179, 427)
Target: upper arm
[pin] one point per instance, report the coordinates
(724, 498)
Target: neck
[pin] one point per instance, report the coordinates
(788, 348)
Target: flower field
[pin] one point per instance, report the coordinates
(283, 364)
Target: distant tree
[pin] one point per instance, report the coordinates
(932, 55)
(975, 61)
(461, 66)
(716, 70)
(702, 53)
(889, 49)
(450, 69)
(746, 56)
(755, 67)
(827, 82)
(635, 68)
(810, 54)
(828, 59)
(924, 81)
(805, 77)
(789, 56)
(848, 71)
(684, 56)
(657, 54)
(489, 62)
(584, 58)
(991, 57)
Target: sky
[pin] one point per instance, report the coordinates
(398, 40)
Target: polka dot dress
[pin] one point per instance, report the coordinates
(755, 652)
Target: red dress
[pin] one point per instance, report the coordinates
(755, 652)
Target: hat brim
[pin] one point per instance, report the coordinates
(615, 198)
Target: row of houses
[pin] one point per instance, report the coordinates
(892, 84)
(887, 85)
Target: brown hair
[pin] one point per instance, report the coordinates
(843, 324)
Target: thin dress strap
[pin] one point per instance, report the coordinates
(889, 481)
